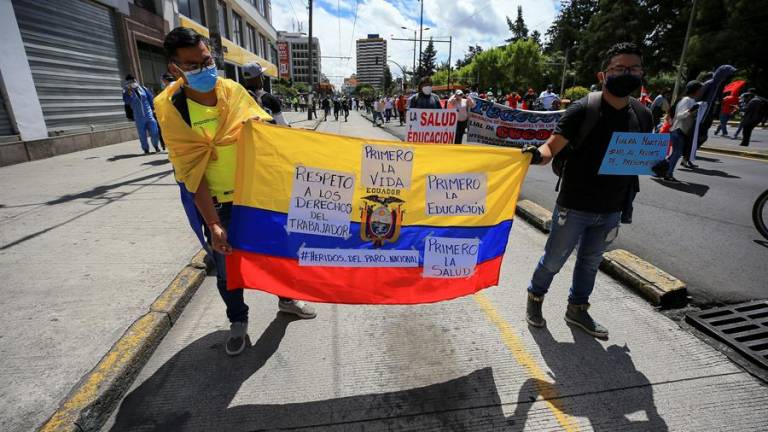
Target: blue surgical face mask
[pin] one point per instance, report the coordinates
(202, 81)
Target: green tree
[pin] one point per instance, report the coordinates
(441, 77)
(575, 93)
(364, 90)
(427, 65)
(518, 28)
(387, 80)
(471, 53)
(301, 87)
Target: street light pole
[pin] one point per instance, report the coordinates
(311, 85)
(450, 49)
(682, 55)
(565, 66)
(421, 32)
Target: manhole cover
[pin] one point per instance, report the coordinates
(743, 326)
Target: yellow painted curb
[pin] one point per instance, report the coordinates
(735, 152)
(537, 215)
(92, 400)
(653, 283)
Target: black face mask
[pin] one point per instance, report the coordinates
(622, 85)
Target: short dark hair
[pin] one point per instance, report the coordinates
(182, 37)
(621, 48)
(129, 77)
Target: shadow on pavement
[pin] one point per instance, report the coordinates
(714, 173)
(687, 187)
(157, 162)
(596, 375)
(708, 159)
(193, 391)
(126, 156)
(100, 192)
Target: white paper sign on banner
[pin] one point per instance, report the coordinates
(321, 202)
(323, 257)
(456, 194)
(450, 257)
(388, 167)
(432, 125)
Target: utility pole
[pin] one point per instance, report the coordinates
(682, 55)
(214, 33)
(414, 53)
(311, 61)
(450, 50)
(565, 66)
(421, 32)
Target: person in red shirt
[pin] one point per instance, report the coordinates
(400, 106)
(728, 107)
(513, 99)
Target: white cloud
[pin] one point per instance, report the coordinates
(473, 22)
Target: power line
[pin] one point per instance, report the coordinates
(290, 2)
(354, 23)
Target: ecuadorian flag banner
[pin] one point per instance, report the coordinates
(338, 219)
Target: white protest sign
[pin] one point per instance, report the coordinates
(323, 257)
(450, 257)
(432, 125)
(321, 202)
(456, 194)
(699, 116)
(387, 166)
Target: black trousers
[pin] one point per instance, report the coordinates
(461, 127)
(747, 134)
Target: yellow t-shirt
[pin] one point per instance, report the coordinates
(219, 173)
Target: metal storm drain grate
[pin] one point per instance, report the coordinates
(742, 326)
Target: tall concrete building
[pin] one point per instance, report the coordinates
(294, 57)
(371, 61)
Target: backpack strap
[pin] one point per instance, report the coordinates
(642, 114)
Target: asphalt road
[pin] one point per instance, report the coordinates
(701, 230)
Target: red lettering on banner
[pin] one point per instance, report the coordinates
(506, 132)
(438, 119)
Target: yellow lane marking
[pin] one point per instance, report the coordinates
(734, 156)
(517, 348)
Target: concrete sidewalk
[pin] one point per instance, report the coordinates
(87, 241)
(468, 364)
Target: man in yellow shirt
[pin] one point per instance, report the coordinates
(201, 116)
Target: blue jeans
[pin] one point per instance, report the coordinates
(144, 126)
(594, 232)
(237, 310)
(678, 143)
(723, 124)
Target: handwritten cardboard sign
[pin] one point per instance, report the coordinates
(632, 153)
(456, 194)
(432, 125)
(321, 202)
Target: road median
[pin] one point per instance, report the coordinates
(92, 400)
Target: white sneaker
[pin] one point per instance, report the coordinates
(299, 308)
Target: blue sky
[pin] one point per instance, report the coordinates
(469, 22)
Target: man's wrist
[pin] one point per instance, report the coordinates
(212, 223)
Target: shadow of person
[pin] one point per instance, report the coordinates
(199, 381)
(194, 389)
(709, 172)
(125, 156)
(687, 187)
(601, 384)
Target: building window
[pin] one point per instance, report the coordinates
(237, 29)
(268, 11)
(255, 41)
(263, 46)
(250, 32)
(259, 6)
(223, 21)
(193, 9)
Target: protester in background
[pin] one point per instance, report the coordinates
(400, 105)
(336, 107)
(728, 107)
(645, 97)
(345, 106)
(752, 115)
(462, 104)
(473, 92)
(139, 103)
(326, 106)
(254, 83)
(311, 105)
(590, 206)
(743, 100)
(529, 99)
(490, 97)
(388, 109)
(206, 114)
(683, 124)
(547, 97)
(166, 79)
(513, 99)
(424, 99)
(659, 108)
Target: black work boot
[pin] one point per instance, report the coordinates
(578, 315)
(533, 311)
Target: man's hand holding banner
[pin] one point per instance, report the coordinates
(338, 219)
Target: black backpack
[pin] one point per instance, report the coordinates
(644, 122)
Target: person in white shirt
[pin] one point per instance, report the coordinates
(547, 97)
(463, 104)
(387, 108)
